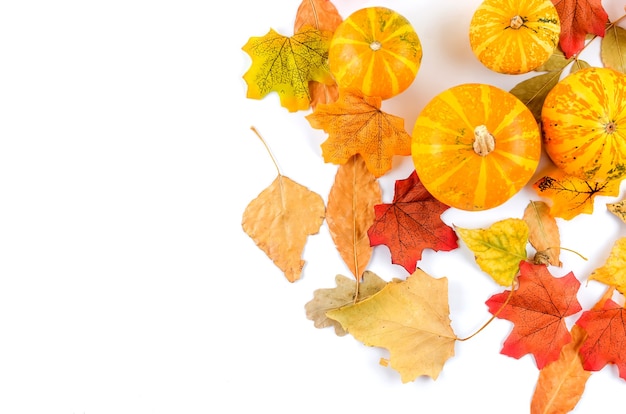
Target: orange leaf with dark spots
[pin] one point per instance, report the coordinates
(578, 18)
(356, 125)
(411, 223)
(537, 309)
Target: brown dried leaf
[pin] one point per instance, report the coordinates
(543, 233)
(613, 48)
(562, 382)
(325, 300)
(619, 209)
(279, 221)
(350, 212)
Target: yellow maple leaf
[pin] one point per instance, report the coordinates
(613, 272)
(570, 195)
(286, 65)
(498, 249)
(411, 319)
(356, 125)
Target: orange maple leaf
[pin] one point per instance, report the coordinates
(579, 17)
(356, 125)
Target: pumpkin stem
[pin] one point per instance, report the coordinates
(484, 142)
(375, 45)
(517, 22)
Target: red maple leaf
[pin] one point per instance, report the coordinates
(411, 223)
(606, 337)
(537, 309)
(579, 17)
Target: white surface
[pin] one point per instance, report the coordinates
(126, 282)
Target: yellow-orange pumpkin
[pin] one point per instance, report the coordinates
(514, 36)
(584, 124)
(376, 52)
(475, 146)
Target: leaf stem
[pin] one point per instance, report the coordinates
(267, 148)
(569, 250)
(494, 316)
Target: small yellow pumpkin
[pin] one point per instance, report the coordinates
(584, 124)
(475, 146)
(376, 52)
(514, 37)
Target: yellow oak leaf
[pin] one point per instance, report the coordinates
(410, 318)
(613, 272)
(350, 212)
(562, 382)
(543, 233)
(570, 195)
(499, 249)
(280, 219)
(619, 209)
(325, 300)
(286, 65)
(356, 125)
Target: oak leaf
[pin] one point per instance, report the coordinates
(286, 64)
(562, 382)
(322, 15)
(570, 195)
(499, 249)
(613, 272)
(613, 48)
(411, 223)
(537, 309)
(350, 212)
(618, 208)
(543, 233)
(606, 336)
(356, 125)
(343, 294)
(280, 219)
(579, 18)
(411, 319)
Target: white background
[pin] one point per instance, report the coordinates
(126, 282)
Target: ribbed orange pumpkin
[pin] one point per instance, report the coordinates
(584, 124)
(475, 146)
(514, 36)
(376, 52)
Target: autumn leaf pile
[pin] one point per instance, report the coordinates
(410, 317)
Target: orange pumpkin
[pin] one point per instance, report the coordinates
(475, 146)
(376, 52)
(584, 124)
(514, 36)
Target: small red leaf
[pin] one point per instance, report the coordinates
(606, 340)
(537, 310)
(411, 223)
(578, 18)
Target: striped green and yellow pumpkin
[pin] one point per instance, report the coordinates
(475, 146)
(584, 124)
(514, 36)
(376, 52)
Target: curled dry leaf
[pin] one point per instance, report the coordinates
(322, 15)
(350, 212)
(561, 383)
(325, 300)
(613, 272)
(411, 319)
(619, 209)
(498, 249)
(543, 233)
(280, 220)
